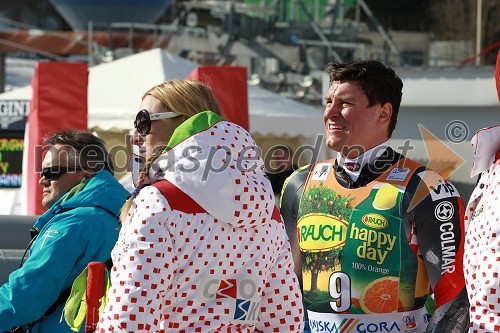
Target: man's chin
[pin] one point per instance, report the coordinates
(47, 203)
(333, 145)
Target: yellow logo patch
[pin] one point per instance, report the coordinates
(373, 220)
(321, 232)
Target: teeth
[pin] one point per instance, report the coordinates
(335, 127)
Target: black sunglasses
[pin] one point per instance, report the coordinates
(55, 171)
(142, 122)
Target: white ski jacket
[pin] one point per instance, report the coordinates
(204, 248)
(482, 240)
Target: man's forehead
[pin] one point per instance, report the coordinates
(344, 87)
(57, 155)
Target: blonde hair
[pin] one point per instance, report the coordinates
(185, 97)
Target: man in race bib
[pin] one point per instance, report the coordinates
(377, 232)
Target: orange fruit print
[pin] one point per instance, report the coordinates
(381, 296)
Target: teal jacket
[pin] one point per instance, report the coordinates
(80, 227)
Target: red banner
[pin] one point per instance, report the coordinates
(59, 102)
(229, 84)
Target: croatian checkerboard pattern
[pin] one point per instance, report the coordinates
(482, 253)
(177, 268)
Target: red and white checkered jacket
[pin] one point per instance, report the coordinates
(482, 240)
(203, 248)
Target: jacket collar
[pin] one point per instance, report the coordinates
(369, 172)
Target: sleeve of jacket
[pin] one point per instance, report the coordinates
(142, 267)
(436, 211)
(281, 306)
(50, 269)
(289, 207)
(483, 261)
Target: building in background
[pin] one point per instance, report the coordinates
(285, 44)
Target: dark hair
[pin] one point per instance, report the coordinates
(83, 148)
(379, 82)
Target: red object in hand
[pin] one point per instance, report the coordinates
(93, 293)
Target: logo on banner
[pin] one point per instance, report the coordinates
(12, 112)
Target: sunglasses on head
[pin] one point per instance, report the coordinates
(143, 120)
(55, 171)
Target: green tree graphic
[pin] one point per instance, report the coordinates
(322, 200)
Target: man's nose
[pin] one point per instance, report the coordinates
(332, 110)
(43, 181)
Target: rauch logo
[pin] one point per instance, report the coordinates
(317, 232)
(374, 221)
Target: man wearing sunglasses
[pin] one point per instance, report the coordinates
(83, 201)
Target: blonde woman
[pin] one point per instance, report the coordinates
(202, 246)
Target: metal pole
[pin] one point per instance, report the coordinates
(90, 56)
(32, 50)
(131, 36)
(2, 72)
(478, 31)
(357, 14)
(382, 31)
(341, 12)
(316, 10)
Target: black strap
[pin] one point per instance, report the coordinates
(34, 235)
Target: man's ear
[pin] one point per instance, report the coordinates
(385, 113)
